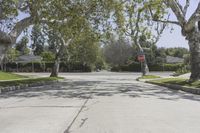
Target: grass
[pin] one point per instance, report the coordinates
(27, 81)
(149, 77)
(10, 76)
(176, 81)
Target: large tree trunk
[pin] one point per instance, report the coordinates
(145, 68)
(144, 65)
(55, 69)
(194, 44)
(3, 49)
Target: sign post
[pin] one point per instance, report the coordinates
(141, 59)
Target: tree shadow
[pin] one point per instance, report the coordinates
(104, 88)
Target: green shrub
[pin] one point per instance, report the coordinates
(47, 66)
(136, 67)
(116, 69)
(182, 70)
(165, 67)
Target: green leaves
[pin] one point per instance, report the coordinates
(8, 9)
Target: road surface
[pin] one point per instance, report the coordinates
(100, 103)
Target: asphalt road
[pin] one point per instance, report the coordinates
(100, 103)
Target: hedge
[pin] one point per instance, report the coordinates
(46, 67)
(136, 67)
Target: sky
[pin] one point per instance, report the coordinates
(170, 38)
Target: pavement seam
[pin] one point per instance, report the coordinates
(15, 107)
(80, 110)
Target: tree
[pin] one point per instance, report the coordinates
(117, 52)
(177, 52)
(65, 17)
(139, 28)
(38, 40)
(12, 54)
(10, 26)
(48, 56)
(84, 48)
(80, 18)
(189, 27)
(56, 45)
(22, 47)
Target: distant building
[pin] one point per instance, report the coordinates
(28, 58)
(171, 59)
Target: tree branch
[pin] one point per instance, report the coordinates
(162, 21)
(195, 15)
(179, 5)
(193, 19)
(159, 32)
(173, 4)
(19, 27)
(167, 21)
(186, 7)
(137, 28)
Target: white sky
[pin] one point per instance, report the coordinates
(172, 39)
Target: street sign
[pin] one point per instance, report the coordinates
(141, 58)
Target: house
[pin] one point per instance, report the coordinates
(171, 59)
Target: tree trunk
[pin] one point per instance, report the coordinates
(194, 44)
(145, 68)
(55, 69)
(2, 61)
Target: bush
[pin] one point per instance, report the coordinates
(115, 69)
(133, 67)
(165, 67)
(182, 70)
(136, 67)
(47, 66)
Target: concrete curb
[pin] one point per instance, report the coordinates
(178, 87)
(25, 86)
(145, 80)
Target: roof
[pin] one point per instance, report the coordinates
(28, 58)
(171, 59)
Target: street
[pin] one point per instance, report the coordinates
(99, 103)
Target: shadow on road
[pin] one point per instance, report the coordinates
(105, 88)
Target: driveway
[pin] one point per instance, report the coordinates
(100, 103)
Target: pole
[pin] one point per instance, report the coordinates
(32, 67)
(17, 67)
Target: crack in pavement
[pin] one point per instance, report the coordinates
(80, 110)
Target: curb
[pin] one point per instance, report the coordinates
(25, 86)
(145, 80)
(178, 87)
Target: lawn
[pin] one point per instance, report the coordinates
(176, 81)
(10, 79)
(149, 77)
(27, 81)
(10, 76)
